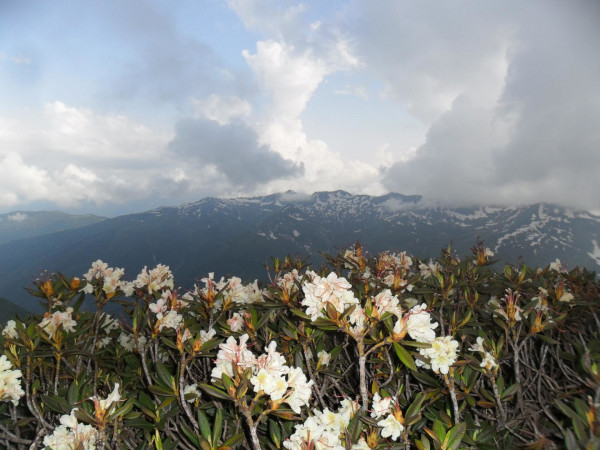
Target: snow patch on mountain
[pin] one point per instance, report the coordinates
(595, 253)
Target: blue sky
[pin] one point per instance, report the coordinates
(114, 107)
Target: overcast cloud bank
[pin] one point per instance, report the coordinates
(141, 104)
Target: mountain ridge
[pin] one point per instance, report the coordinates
(237, 236)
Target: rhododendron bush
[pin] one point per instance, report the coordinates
(366, 352)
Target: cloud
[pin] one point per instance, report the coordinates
(17, 217)
(222, 109)
(521, 124)
(233, 149)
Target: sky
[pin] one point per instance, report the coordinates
(115, 107)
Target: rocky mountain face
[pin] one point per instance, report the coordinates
(238, 236)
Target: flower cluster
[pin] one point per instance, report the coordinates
(488, 362)
(10, 330)
(167, 311)
(109, 277)
(323, 430)
(432, 268)
(392, 270)
(156, 280)
(51, 322)
(224, 291)
(10, 383)
(130, 343)
(442, 354)
(332, 290)
(270, 374)
(417, 323)
(386, 302)
(393, 424)
(71, 434)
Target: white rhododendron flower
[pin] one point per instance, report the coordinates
(324, 358)
(270, 374)
(71, 435)
(357, 319)
(236, 323)
(321, 291)
(392, 428)
(10, 383)
(287, 281)
(361, 445)
(127, 341)
(488, 362)
(557, 266)
(442, 353)
(110, 277)
(324, 429)
(232, 354)
(154, 280)
(192, 389)
(566, 297)
(381, 406)
(430, 269)
(104, 404)
(418, 324)
(386, 302)
(51, 322)
(206, 336)
(10, 330)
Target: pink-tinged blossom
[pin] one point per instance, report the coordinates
(381, 406)
(301, 389)
(230, 355)
(154, 280)
(287, 281)
(51, 322)
(386, 302)
(332, 290)
(10, 383)
(236, 323)
(272, 361)
(430, 269)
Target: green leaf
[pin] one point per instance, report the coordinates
(215, 392)
(454, 436)
(164, 375)
(547, 339)
(275, 433)
(512, 389)
(160, 390)
(405, 357)
(204, 426)
(439, 430)
(189, 434)
(232, 441)
(414, 410)
(300, 313)
(217, 426)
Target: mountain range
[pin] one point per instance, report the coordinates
(238, 236)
